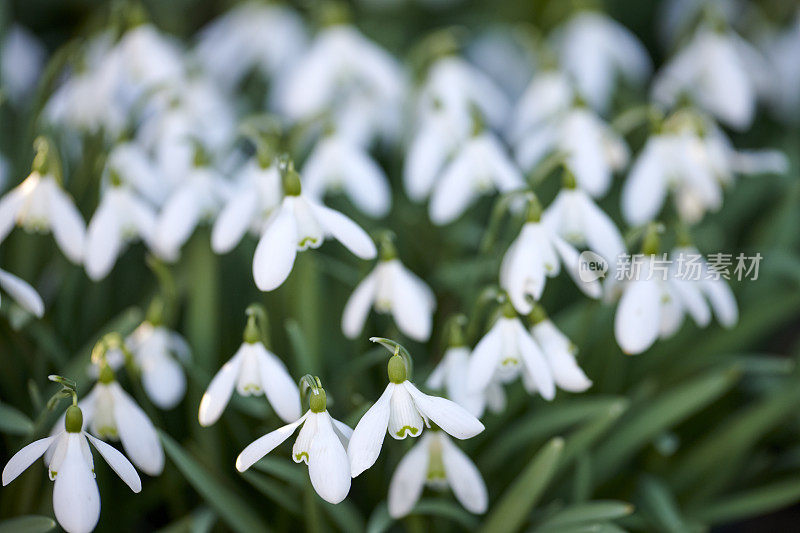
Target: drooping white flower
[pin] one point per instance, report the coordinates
(112, 414)
(575, 217)
(480, 166)
(22, 56)
(136, 168)
(560, 354)
(391, 288)
(256, 195)
(437, 462)
(548, 95)
(592, 150)
(337, 163)
(594, 50)
(320, 444)
(720, 72)
(149, 59)
(40, 204)
(451, 376)
(300, 223)
(253, 370)
(403, 410)
(25, 295)
(76, 499)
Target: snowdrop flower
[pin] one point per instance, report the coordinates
(592, 150)
(437, 462)
(121, 217)
(401, 411)
(76, 499)
(507, 351)
(594, 50)
(575, 217)
(112, 414)
(549, 95)
(40, 204)
(253, 370)
(21, 59)
(300, 223)
(337, 163)
(536, 254)
(25, 295)
(136, 168)
(320, 444)
(479, 167)
(249, 206)
(782, 50)
(559, 351)
(150, 59)
(720, 72)
(391, 288)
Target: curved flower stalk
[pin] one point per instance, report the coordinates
(40, 204)
(76, 499)
(592, 150)
(320, 444)
(403, 410)
(595, 50)
(255, 197)
(437, 462)
(391, 288)
(338, 164)
(349, 78)
(536, 254)
(480, 166)
(253, 370)
(251, 36)
(25, 295)
(720, 72)
(300, 223)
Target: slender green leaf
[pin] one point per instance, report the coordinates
(752, 502)
(274, 491)
(660, 505)
(14, 421)
(27, 524)
(595, 511)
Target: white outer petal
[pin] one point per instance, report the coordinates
(163, 380)
(219, 391)
(234, 219)
(534, 361)
(636, 323)
(103, 240)
(367, 439)
(137, 433)
(413, 303)
(464, 477)
(76, 500)
(485, 358)
(25, 295)
(409, 478)
(118, 462)
(446, 414)
(344, 230)
(263, 445)
(25, 458)
(328, 465)
(358, 305)
(277, 249)
(279, 387)
(67, 224)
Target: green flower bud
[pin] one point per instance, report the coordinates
(397, 369)
(318, 401)
(73, 420)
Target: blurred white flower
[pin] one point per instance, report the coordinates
(338, 164)
(594, 50)
(782, 50)
(560, 354)
(158, 353)
(40, 204)
(253, 370)
(548, 95)
(505, 57)
(400, 411)
(149, 59)
(76, 499)
(25, 295)
(391, 288)
(451, 375)
(321, 445)
(136, 168)
(437, 462)
(22, 57)
(480, 166)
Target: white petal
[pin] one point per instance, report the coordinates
(602, 235)
(446, 414)
(9, 207)
(485, 358)
(367, 439)
(177, 221)
(404, 418)
(163, 380)
(76, 500)
(408, 479)
(25, 458)
(344, 431)
(118, 462)
(535, 362)
(636, 323)
(219, 391)
(424, 159)
(234, 219)
(279, 387)
(262, 446)
(559, 353)
(571, 259)
(522, 273)
(691, 297)
(328, 466)
(646, 187)
(137, 433)
(722, 301)
(25, 295)
(413, 303)
(464, 478)
(345, 231)
(276, 249)
(358, 305)
(103, 241)
(367, 185)
(67, 224)
(454, 191)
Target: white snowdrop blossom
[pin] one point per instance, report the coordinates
(40, 204)
(437, 462)
(391, 288)
(149, 59)
(320, 444)
(22, 57)
(594, 50)
(560, 354)
(506, 352)
(592, 150)
(76, 499)
(403, 410)
(575, 217)
(300, 223)
(720, 72)
(480, 166)
(451, 376)
(112, 414)
(548, 95)
(136, 168)
(25, 295)
(338, 164)
(253, 370)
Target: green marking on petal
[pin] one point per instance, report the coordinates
(299, 456)
(402, 431)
